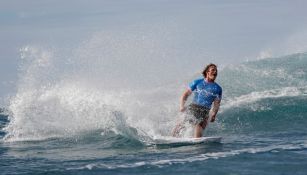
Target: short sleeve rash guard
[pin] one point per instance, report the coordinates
(205, 92)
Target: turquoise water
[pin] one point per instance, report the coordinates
(64, 129)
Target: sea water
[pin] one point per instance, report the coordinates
(95, 105)
(69, 129)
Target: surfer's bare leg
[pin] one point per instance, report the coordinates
(199, 128)
(198, 131)
(177, 130)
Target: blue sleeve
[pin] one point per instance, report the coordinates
(194, 84)
(220, 93)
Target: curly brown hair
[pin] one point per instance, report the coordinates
(207, 69)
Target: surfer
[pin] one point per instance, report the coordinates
(206, 92)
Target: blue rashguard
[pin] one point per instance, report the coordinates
(205, 92)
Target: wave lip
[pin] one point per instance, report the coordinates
(257, 96)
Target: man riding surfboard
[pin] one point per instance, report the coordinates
(206, 92)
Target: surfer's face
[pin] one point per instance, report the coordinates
(212, 73)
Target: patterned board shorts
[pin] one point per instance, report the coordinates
(196, 114)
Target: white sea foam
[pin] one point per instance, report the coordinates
(71, 108)
(257, 96)
(62, 95)
(61, 111)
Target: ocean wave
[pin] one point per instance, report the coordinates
(269, 94)
(50, 102)
(195, 158)
(267, 115)
(264, 75)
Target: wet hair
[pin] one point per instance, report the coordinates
(207, 69)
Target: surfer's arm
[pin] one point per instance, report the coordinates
(184, 98)
(215, 109)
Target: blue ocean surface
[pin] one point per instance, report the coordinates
(87, 86)
(70, 130)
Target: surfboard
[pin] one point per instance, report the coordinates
(173, 141)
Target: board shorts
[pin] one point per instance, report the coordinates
(197, 114)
